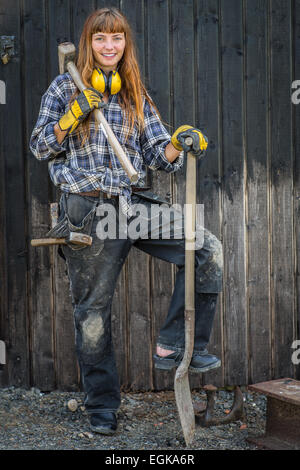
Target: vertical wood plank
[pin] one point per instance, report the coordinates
(59, 30)
(38, 192)
(66, 366)
(103, 3)
(208, 120)
(12, 167)
(182, 34)
(133, 10)
(235, 318)
(80, 11)
(138, 274)
(257, 191)
(119, 319)
(296, 140)
(184, 88)
(4, 330)
(139, 321)
(4, 316)
(158, 66)
(282, 188)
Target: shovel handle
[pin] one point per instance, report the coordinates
(100, 118)
(181, 383)
(190, 226)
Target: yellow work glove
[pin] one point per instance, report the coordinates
(199, 144)
(86, 101)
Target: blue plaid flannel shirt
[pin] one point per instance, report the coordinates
(94, 166)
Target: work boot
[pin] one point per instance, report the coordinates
(200, 362)
(203, 362)
(103, 422)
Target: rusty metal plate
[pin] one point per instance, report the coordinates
(287, 390)
(283, 414)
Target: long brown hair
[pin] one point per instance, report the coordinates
(111, 20)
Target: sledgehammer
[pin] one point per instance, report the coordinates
(66, 56)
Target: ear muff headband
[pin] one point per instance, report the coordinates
(102, 83)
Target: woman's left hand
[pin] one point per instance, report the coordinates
(199, 144)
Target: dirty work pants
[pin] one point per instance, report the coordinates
(93, 273)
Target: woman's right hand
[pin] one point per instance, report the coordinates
(87, 101)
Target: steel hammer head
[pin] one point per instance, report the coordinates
(80, 239)
(66, 53)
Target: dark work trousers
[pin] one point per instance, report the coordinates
(93, 272)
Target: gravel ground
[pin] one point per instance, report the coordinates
(32, 420)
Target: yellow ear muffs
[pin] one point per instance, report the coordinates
(114, 82)
(102, 83)
(98, 80)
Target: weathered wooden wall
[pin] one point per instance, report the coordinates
(225, 66)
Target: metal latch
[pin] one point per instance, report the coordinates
(7, 48)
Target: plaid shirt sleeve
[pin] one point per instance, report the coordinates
(43, 143)
(154, 140)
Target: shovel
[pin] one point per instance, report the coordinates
(181, 382)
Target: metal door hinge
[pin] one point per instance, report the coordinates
(7, 48)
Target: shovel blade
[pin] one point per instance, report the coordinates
(185, 405)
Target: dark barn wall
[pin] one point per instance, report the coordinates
(225, 66)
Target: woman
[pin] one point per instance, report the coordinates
(90, 177)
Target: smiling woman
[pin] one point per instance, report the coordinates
(108, 49)
(107, 41)
(90, 176)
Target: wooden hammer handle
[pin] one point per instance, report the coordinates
(48, 241)
(125, 162)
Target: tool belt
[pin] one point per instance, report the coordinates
(65, 224)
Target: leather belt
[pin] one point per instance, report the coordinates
(97, 193)
(145, 188)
